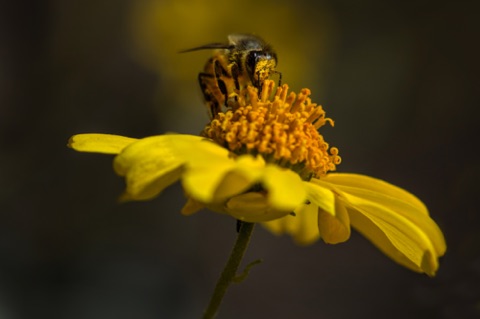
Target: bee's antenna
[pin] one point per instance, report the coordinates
(208, 46)
(279, 77)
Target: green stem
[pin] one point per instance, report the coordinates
(230, 270)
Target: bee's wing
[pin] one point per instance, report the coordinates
(209, 46)
(245, 41)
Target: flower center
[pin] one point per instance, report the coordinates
(281, 127)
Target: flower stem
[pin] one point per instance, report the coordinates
(230, 270)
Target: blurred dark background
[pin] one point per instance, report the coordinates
(400, 79)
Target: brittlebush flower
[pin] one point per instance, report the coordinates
(263, 160)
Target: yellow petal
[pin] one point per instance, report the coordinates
(99, 143)
(217, 178)
(153, 163)
(406, 238)
(396, 199)
(191, 207)
(375, 185)
(380, 234)
(334, 229)
(253, 207)
(303, 226)
(214, 183)
(285, 189)
(399, 226)
(321, 196)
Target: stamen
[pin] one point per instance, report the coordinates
(281, 127)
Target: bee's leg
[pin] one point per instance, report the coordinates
(279, 78)
(235, 75)
(258, 84)
(212, 103)
(223, 89)
(203, 85)
(220, 72)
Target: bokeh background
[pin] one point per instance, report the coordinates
(400, 79)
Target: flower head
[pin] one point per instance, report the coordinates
(282, 129)
(263, 160)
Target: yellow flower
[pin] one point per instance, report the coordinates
(263, 160)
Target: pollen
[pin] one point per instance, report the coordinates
(282, 127)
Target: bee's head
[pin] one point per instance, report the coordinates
(259, 64)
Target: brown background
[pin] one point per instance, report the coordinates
(400, 80)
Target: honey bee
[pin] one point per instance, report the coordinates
(245, 60)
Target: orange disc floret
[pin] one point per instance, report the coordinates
(281, 127)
